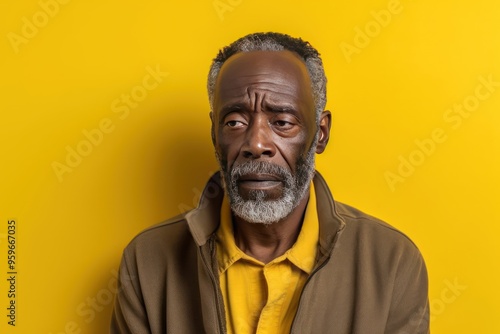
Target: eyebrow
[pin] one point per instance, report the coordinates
(280, 108)
(231, 107)
(272, 107)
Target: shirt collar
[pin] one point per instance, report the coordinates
(303, 252)
(227, 251)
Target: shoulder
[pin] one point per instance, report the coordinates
(161, 239)
(372, 233)
(378, 250)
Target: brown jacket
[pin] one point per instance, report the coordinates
(369, 277)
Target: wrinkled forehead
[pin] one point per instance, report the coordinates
(280, 71)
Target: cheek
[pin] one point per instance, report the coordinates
(291, 150)
(228, 151)
(229, 144)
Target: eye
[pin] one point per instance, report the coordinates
(234, 124)
(234, 121)
(284, 124)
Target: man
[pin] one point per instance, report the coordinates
(268, 250)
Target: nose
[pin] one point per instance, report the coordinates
(258, 140)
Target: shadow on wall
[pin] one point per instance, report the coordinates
(164, 166)
(92, 311)
(185, 164)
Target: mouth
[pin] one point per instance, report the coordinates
(259, 181)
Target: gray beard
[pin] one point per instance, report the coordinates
(258, 208)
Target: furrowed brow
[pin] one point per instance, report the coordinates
(281, 108)
(231, 107)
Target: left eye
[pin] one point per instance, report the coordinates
(282, 123)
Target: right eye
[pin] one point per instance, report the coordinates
(234, 124)
(235, 121)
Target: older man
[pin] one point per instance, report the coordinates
(268, 250)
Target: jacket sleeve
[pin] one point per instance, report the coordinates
(409, 311)
(129, 314)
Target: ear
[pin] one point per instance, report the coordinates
(212, 128)
(325, 123)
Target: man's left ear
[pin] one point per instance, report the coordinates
(325, 123)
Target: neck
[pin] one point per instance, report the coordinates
(267, 242)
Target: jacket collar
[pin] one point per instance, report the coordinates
(204, 220)
(330, 222)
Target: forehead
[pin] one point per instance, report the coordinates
(281, 74)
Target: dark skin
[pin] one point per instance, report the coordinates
(264, 110)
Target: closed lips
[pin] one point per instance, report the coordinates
(259, 178)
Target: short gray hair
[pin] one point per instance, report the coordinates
(272, 41)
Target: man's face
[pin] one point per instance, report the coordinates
(265, 133)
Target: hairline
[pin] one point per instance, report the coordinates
(295, 54)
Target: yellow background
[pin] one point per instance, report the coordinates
(396, 89)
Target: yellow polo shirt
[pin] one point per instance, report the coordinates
(263, 298)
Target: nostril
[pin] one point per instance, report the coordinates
(267, 152)
(255, 154)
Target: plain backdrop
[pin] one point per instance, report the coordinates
(104, 131)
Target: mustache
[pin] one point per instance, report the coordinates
(259, 167)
